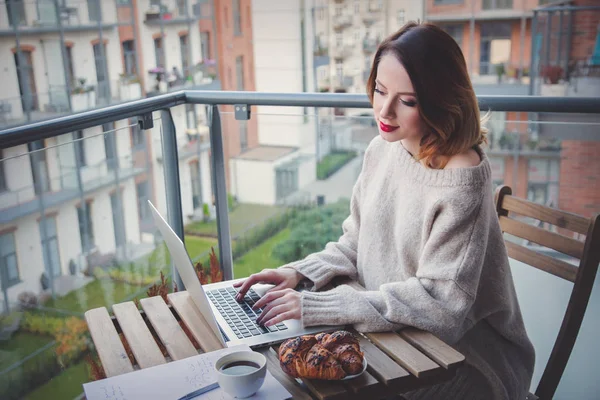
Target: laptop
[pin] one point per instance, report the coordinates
(233, 323)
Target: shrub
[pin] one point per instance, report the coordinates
(259, 234)
(27, 300)
(331, 163)
(311, 230)
(34, 372)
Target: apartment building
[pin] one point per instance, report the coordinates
(284, 157)
(347, 33)
(82, 196)
(523, 47)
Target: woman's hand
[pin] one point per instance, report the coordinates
(278, 306)
(282, 278)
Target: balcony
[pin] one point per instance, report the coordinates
(36, 17)
(84, 96)
(370, 45)
(341, 22)
(342, 52)
(550, 166)
(371, 16)
(164, 15)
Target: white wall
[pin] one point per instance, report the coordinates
(253, 181)
(277, 31)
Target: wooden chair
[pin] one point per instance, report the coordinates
(583, 277)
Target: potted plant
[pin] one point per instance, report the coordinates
(500, 71)
(82, 97)
(552, 84)
(205, 212)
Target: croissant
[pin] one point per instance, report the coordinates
(322, 356)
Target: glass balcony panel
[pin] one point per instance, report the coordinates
(308, 163)
(94, 246)
(44, 14)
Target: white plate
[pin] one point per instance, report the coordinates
(348, 377)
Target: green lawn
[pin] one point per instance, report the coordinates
(20, 345)
(241, 219)
(332, 162)
(67, 385)
(98, 293)
(197, 245)
(260, 257)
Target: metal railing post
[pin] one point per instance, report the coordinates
(172, 187)
(220, 193)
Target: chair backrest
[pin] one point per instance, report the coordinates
(588, 253)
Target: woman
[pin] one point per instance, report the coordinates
(423, 237)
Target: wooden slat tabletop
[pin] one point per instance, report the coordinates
(397, 362)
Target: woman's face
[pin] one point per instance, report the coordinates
(395, 103)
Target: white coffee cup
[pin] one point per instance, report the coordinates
(240, 374)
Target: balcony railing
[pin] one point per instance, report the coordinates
(341, 22)
(83, 96)
(48, 15)
(534, 152)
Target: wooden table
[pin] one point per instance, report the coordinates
(397, 362)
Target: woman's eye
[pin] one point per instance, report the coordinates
(378, 91)
(409, 103)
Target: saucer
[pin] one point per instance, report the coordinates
(348, 377)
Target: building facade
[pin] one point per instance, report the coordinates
(72, 202)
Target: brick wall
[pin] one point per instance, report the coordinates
(579, 188)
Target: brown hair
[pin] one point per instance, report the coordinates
(445, 97)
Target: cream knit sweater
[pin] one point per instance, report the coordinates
(427, 246)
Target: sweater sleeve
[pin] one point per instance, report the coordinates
(338, 258)
(440, 295)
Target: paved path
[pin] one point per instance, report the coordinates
(337, 186)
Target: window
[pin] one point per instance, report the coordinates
(239, 72)
(196, 185)
(496, 4)
(237, 18)
(442, 2)
(70, 70)
(190, 116)
(3, 186)
(138, 138)
(50, 246)
(225, 16)
(123, 2)
(100, 61)
(93, 10)
(243, 136)
(339, 69)
(181, 8)
(80, 149)
(456, 31)
(321, 13)
(39, 168)
(185, 54)
(495, 46)
(8, 260)
(205, 43)
(356, 6)
(143, 195)
(400, 17)
(159, 55)
(86, 229)
(338, 10)
(339, 40)
(542, 181)
(15, 10)
(129, 57)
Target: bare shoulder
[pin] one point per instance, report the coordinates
(469, 158)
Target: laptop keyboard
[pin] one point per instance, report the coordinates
(240, 317)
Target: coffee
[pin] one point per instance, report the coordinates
(239, 368)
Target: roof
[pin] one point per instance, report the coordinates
(266, 153)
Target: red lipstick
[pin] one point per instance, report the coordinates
(387, 128)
